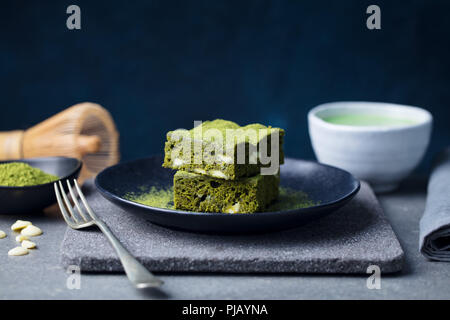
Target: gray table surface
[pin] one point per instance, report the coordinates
(40, 276)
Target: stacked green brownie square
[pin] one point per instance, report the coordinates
(219, 166)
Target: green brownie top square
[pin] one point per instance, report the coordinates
(223, 149)
(216, 131)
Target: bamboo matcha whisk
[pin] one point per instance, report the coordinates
(85, 131)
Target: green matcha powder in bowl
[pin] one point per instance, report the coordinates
(19, 174)
(26, 185)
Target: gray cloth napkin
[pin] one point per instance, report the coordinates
(435, 223)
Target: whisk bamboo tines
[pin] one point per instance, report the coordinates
(85, 131)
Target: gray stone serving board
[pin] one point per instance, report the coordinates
(347, 241)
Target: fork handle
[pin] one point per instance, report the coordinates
(136, 272)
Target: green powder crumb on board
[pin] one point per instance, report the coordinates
(162, 197)
(19, 174)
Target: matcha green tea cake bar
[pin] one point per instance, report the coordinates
(208, 149)
(195, 192)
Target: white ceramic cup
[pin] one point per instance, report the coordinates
(381, 155)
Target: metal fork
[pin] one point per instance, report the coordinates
(136, 272)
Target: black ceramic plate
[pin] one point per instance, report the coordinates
(15, 200)
(329, 186)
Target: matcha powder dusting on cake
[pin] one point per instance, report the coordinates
(19, 174)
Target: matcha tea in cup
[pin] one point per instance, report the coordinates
(369, 119)
(377, 142)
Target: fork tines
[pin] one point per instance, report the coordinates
(75, 216)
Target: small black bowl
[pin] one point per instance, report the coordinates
(33, 199)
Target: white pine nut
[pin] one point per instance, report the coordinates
(20, 224)
(28, 244)
(20, 238)
(31, 231)
(18, 251)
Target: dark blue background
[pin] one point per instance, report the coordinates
(159, 65)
